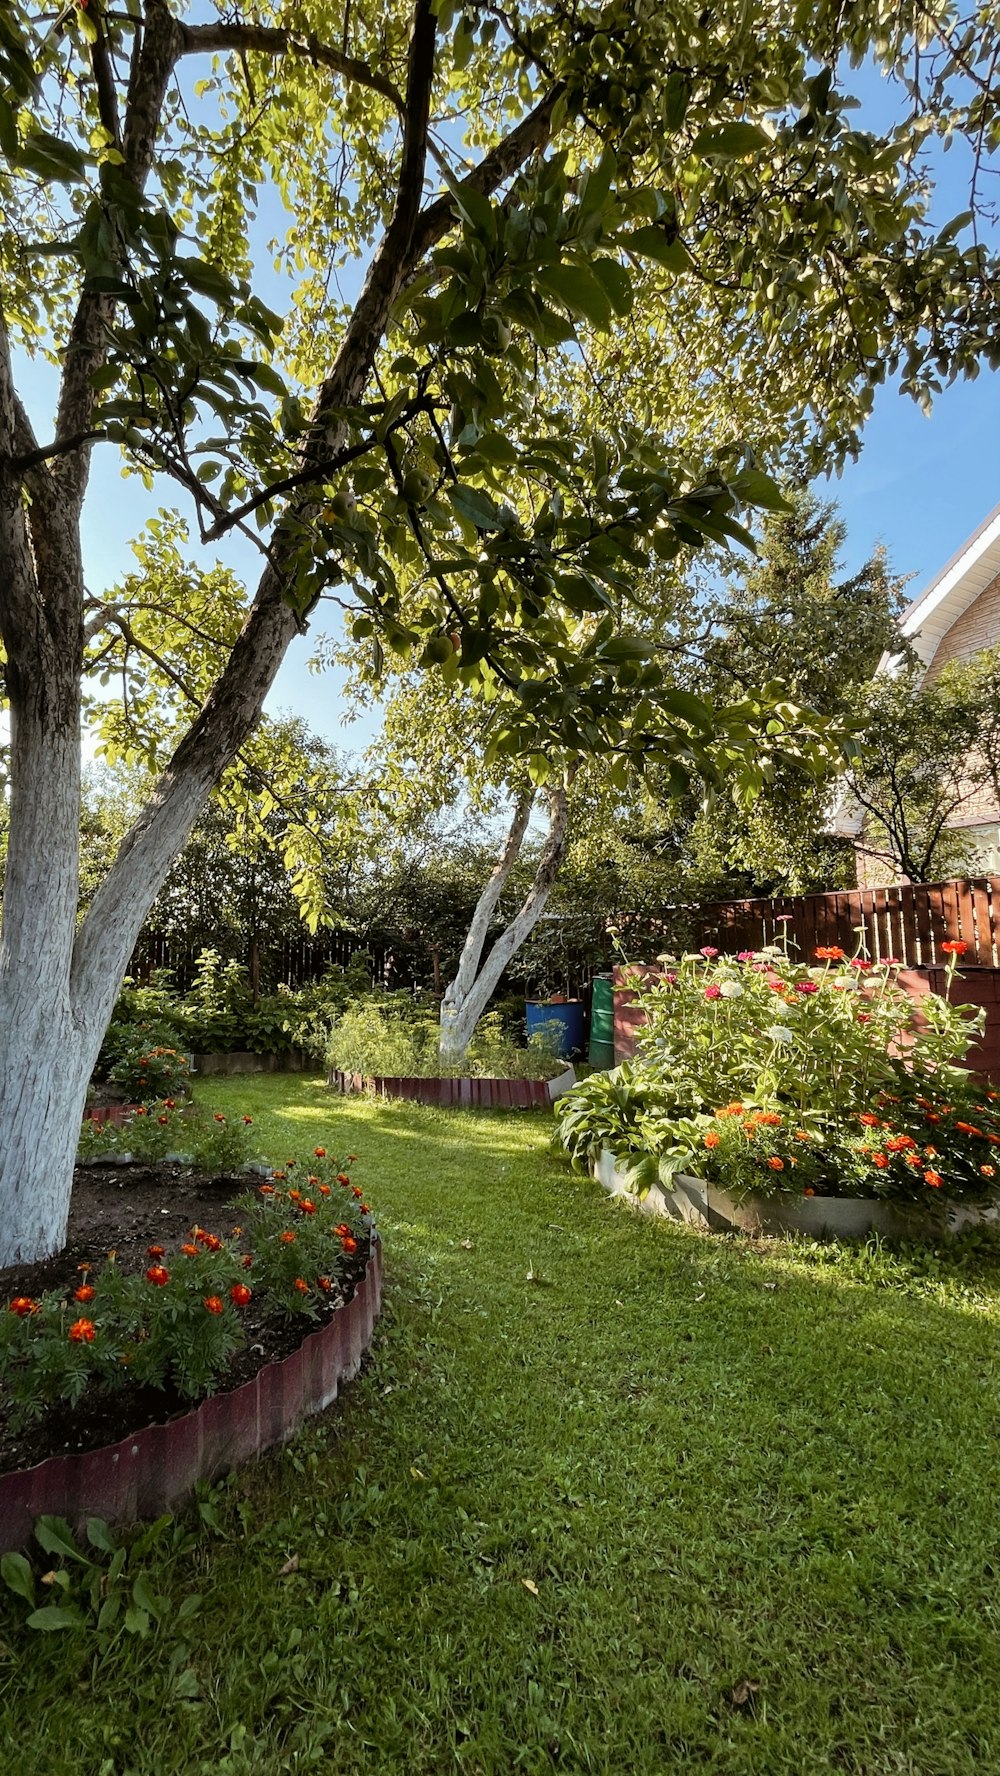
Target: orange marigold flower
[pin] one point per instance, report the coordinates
(934, 1179)
(267, 1190)
(169, 1104)
(809, 1191)
(357, 1191)
(803, 1135)
(87, 1293)
(365, 1210)
(988, 1171)
(966, 1128)
(306, 1207)
(930, 1117)
(881, 1160)
(214, 1304)
(301, 1285)
(324, 1190)
(155, 1252)
(163, 1119)
(280, 1175)
(288, 1238)
(218, 1116)
(190, 1251)
(247, 1261)
(294, 1196)
(342, 1230)
(325, 1284)
(239, 1294)
(82, 1332)
(776, 1164)
(712, 1139)
(319, 1152)
(900, 1144)
(157, 1274)
(22, 1306)
(913, 1159)
(211, 1242)
(348, 1244)
(342, 1178)
(869, 1120)
(247, 1120)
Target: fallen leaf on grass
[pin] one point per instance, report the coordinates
(415, 1474)
(467, 1245)
(529, 1585)
(291, 1566)
(742, 1694)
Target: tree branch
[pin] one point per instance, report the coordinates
(267, 40)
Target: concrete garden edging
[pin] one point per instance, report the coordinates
(479, 1094)
(156, 1469)
(702, 1205)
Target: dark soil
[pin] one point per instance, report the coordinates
(123, 1209)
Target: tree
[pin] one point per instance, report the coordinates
(927, 754)
(647, 170)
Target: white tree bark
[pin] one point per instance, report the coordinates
(58, 984)
(468, 995)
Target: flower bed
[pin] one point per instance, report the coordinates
(761, 1077)
(90, 1349)
(480, 1094)
(154, 1470)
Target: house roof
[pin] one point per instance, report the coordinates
(971, 569)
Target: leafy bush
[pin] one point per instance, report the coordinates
(759, 1074)
(178, 1323)
(215, 1143)
(375, 1041)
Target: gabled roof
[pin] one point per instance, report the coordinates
(975, 565)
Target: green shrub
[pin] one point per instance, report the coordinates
(376, 1041)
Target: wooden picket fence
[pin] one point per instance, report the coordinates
(909, 924)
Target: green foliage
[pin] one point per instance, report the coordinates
(148, 1074)
(389, 1039)
(99, 1586)
(178, 1324)
(763, 1074)
(209, 1140)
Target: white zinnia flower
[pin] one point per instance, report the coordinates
(779, 1033)
(731, 990)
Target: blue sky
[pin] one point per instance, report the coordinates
(921, 485)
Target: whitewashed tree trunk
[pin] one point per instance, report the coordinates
(476, 980)
(58, 983)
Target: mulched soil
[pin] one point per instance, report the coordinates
(124, 1209)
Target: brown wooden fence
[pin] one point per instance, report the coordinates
(908, 923)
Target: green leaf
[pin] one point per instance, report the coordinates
(99, 1536)
(18, 1576)
(579, 291)
(472, 504)
(597, 185)
(758, 489)
(50, 158)
(732, 141)
(617, 283)
(55, 1536)
(689, 707)
(55, 1616)
(653, 243)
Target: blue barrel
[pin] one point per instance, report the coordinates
(561, 1024)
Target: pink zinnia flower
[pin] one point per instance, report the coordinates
(708, 951)
(745, 955)
(713, 992)
(806, 986)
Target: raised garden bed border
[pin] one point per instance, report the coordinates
(479, 1094)
(156, 1469)
(703, 1206)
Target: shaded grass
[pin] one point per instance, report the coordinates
(753, 1486)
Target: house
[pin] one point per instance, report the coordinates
(954, 617)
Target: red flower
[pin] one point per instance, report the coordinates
(239, 1294)
(934, 1179)
(745, 955)
(280, 1175)
(267, 1189)
(806, 986)
(342, 1230)
(169, 1104)
(900, 1144)
(342, 1178)
(246, 1119)
(325, 1284)
(86, 1293)
(247, 1261)
(294, 1196)
(288, 1239)
(868, 1119)
(881, 1160)
(862, 963)
(306, 1207)
(365, 1210)
(157, 1275)
(301, 1285)
(829, 953)
(776, 1164)
(214, 1304)
(22, 1306)
(324, 1190)
(348, 1244)
(82, 1332)
(809, 1191)
(988, 1171)
(155, 1252)
(966, 1128)
(954, 947)
(191, 1251)
(319, 1152)
(713, 992)
(218, 1116)
(211, 1242)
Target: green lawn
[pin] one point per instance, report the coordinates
(611, 1497)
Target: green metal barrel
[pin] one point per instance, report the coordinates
(602, 1022)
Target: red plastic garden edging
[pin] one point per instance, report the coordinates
(156, 1469)
(480, 1094)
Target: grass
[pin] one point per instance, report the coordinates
(611, 1497)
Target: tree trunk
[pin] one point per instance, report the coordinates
(467, 997)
